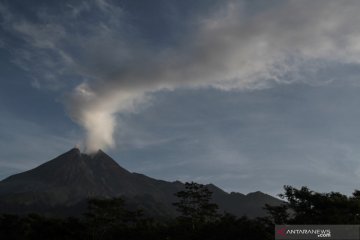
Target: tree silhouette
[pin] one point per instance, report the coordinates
(106, 218)
(194, 205)
(304, 206)
(198, 218)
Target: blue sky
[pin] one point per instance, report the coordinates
(248, 95)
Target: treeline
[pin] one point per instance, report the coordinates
(198, 218)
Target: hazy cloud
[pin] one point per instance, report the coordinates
(26, 144)
(229, 49)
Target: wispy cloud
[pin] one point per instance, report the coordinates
(26, 144)
(225, 49)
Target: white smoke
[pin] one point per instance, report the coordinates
(228, 49)
(96, 114)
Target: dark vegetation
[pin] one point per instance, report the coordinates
(198, 218)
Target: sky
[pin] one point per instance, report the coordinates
(247, 95)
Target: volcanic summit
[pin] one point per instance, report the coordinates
(63, 185)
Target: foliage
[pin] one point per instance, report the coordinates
(194, 205)
(198, 219)
(105, 218)
(304, 206)
(33, 226)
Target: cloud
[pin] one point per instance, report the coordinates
(292, 134)
(227, 49)
(26, 144)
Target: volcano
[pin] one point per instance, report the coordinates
(63, 185)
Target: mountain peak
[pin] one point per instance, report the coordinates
(93, 153)
(74, 150)
(73, 177)
(84, 174)
(101, 153)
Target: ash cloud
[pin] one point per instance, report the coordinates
(115, 67)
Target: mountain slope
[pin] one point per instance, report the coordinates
(63, 184)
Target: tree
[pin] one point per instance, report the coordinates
(194, 205)
(304, 206)
(278, 214)
(108, 217)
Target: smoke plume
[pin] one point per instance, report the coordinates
(228, 49)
